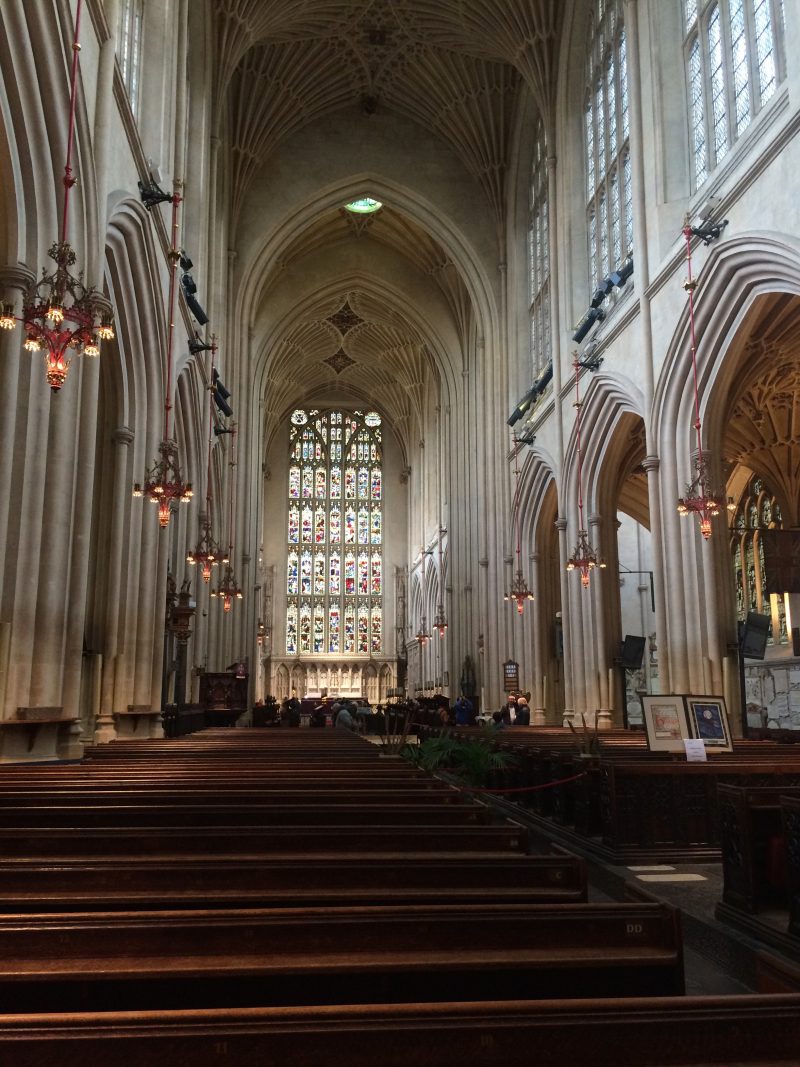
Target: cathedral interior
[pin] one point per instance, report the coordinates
(454, 341)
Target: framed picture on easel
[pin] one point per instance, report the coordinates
(665, 722)
(708, 722)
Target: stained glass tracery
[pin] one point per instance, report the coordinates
(335, 499)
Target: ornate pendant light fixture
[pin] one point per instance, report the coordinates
(228, 589)
(440, 619)
(60, 314)
(164, 482)
(583, 558)
(207, 552)
(422, 636)
(700, 498)
(519, 591)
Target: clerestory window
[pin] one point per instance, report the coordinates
(539, 255)
(609, 197)
(129, 47)
(733, 56)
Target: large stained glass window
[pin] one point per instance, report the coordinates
(733, 51)
(334, 578)
(757, 510)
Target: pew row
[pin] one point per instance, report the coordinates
(304, 956)
(324, 880)
(90, 843)
(743, 1031)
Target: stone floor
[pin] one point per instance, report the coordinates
(719, 959)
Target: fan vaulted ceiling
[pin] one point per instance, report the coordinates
(453, 67)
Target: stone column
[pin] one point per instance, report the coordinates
(538, 709)
(566, 617)
(104, 726)
(603, 700)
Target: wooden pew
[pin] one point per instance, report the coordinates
(748, 1031)
(168, 880)
(303, 956)
(161, 794)
(670, 810)
(753, 851)
(329, 838)
(790, 814)
(229, 813)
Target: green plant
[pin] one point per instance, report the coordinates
(471, 762)
(394, 737)
(588, 740)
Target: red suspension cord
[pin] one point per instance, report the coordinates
(233, 468)
(210, 430)
(69, 179)
(690, 285)
(578, 435)
(173, 276)
(516, 499)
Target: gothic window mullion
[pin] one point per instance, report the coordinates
(331, 517)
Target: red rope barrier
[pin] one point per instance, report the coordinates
(525, 788)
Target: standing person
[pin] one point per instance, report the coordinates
(463, 712)
(344, 720)
(508, 711)
(523, 712)
(293, 709)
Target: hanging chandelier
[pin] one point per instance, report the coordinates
(207, 552)
(583, 558)
(700, 497)
(228, 589)
(422, 635)
(519, 591)
(60, 315)
(440, 620)
(164, 482)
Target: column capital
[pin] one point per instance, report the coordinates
(651, 463)
(16, 276)
(123, 435)
(595, 519)
(560, 524)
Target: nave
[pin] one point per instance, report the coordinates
(298, 896)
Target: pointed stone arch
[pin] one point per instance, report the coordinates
(738, 273)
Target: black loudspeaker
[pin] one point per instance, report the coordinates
(632, 652)
(755, 634)
(195, 308)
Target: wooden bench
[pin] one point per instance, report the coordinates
(670, 810)
(161, 794)
(753, 850)
(337, 956)
(207, 814)
(292, 839)
(790, 812)
(165, 880)
(749, 1031)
